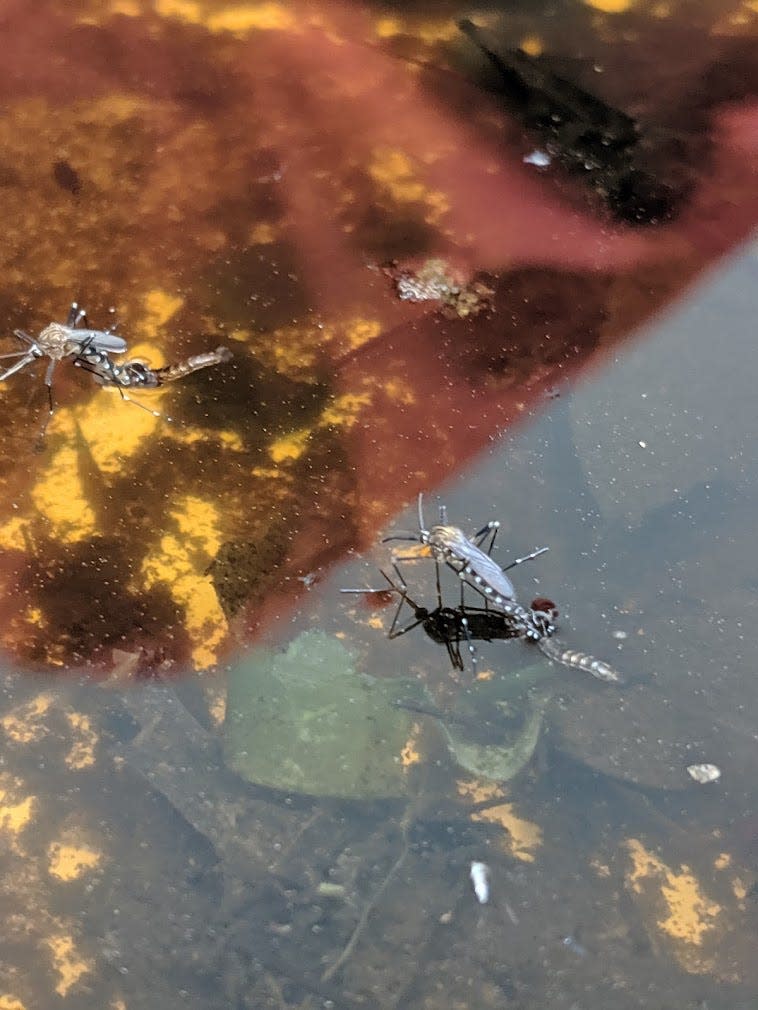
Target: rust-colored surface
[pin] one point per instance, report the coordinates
(237, 174)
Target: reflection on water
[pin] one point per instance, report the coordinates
(238, 174)
(280, 180)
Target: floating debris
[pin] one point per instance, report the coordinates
(704, 773)
(437, 281)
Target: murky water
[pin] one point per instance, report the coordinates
(221, 784)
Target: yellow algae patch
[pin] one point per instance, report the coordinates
(399, 391)
(113, 429)
(532, 45)
(684, 913)
(523, 837)
(344, 411)
(360, 331)
(25, 723)
(241, 19)
(14, 533)
(394, 171)
(180, 563)
(263, 233)
(82, 752)
(411, 552)
(10, 1003)
(426, 31)
(198, 521)
(229, 440)
(290, 446)
(59, 496)
(66, 962)
(237, 18)
(722, 861)
(189, 11)
(610, 6)
(15, 813)
(160, 306)
(739, 889)
(70, 862)
(410, 754)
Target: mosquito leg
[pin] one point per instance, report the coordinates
(491, 530)
(49, 384)
(454, 654)
(76, 315)
(22, 363)
(470, 644)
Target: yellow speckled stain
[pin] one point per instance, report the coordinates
(70, 862)
(687, 916)
(68, 964)
(25, 723)
(181, 562)
(81, 754)
(523, 837)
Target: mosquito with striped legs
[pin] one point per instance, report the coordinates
(474, 565)
(501, 617)
(91, 350)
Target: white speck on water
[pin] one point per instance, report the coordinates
(480, 879)
(540, 159)
(704, 773)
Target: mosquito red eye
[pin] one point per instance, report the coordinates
(544, 605)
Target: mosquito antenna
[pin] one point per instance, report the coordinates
(528, 557)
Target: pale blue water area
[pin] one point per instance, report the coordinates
(139, 870)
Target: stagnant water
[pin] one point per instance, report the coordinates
(222, 785)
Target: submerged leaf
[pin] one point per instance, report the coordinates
(306, 720)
